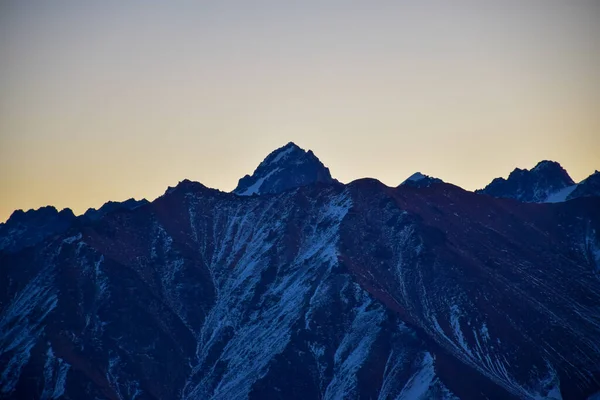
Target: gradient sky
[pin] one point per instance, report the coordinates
(105, 101)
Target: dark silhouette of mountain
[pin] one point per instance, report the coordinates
(286, 168)
(93, 215)
(420, 180)
(531, 186)
(328, 291)
(24, 229)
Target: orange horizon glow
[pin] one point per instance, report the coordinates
(108, 101)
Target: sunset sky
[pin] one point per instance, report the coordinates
(105, 101)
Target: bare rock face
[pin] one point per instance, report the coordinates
(330, 291)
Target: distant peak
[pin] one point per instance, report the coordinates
(187, 186)
(110, 206)
(287, 167)
(420, 180)
(45, 211)
(536, 185)
(27, 228)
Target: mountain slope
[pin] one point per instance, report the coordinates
(285, 168)
(328, 291)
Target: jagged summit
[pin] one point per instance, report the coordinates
(287, 167)
(187, 186)
(544, 182)
(93, 214)
(27, 228)
(42, 212)
(547, 165)
(420, 180)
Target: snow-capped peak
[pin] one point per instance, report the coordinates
(287, 167)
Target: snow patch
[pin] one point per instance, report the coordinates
(255, 188)
(21, 325)
(560, 195)
(72, 239)
(549, 387)
(55, 376)
(354, 350)
(592, 248)
(458, 334)
(282, 155)
(418, 384)
(243, 253)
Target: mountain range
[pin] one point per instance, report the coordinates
(297, 286)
